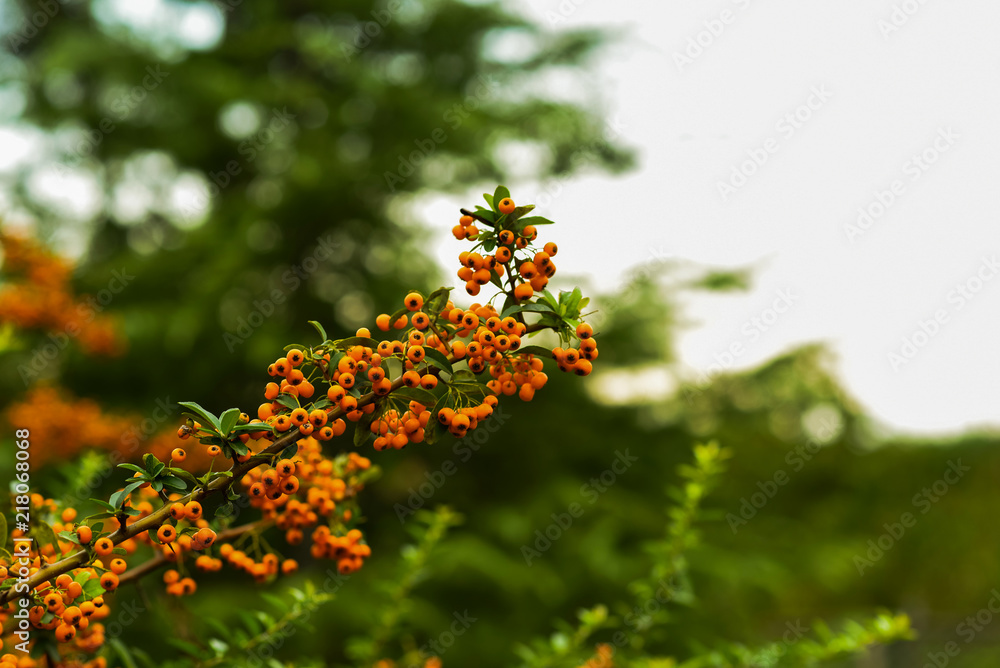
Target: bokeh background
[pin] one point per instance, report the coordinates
(238, 169)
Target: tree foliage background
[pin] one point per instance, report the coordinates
(273, 171)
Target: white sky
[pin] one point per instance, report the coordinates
(890, 97)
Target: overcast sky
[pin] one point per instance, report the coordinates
(847, 152)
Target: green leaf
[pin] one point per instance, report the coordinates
(104, 504)
(239, 447)
(471, 389)
(436, 300)
(173, 482)
(437, 358)
(92, 588)
(69, 537)
(201, 412)
(153, 465)
(225, 510)
(489, 199)
(45, 535)
(287, 400)
(463, 376)
(362, 429)
(290, 451)
(425, 397)
(228, 420)
(532, 307)
(540, 351)
(520, 211)
(319, 328)
(533, 220)
(344, 344)
(132, 467)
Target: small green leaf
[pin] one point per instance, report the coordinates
(532, 307)
(436, 300)
(173, 482)
(319, 328)
(463, 376)
(103, 504)
(425, 397)
(533, 220)
(540, 351)
(228, 421)
(350, 342)
(132, 467)
(438, 359)
(489, 199)
(44, 535)
(287, 400)
(201, 412)
(290, 451)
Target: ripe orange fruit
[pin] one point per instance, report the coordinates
(506, 205)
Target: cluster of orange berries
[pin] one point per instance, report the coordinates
(533, 270)
(296, 493)
(72, 605)
(43, 299)
(578, 360)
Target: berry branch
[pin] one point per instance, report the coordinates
(398, 391)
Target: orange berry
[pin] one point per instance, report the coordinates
(413, 301)
(109, 581)
(118, 566)
(84, 534)
(506, 205)
(584, 331)
(192, 509)
(523, 291)
(299, 416)
(103, 546)
(166, 534)
(178, 455)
